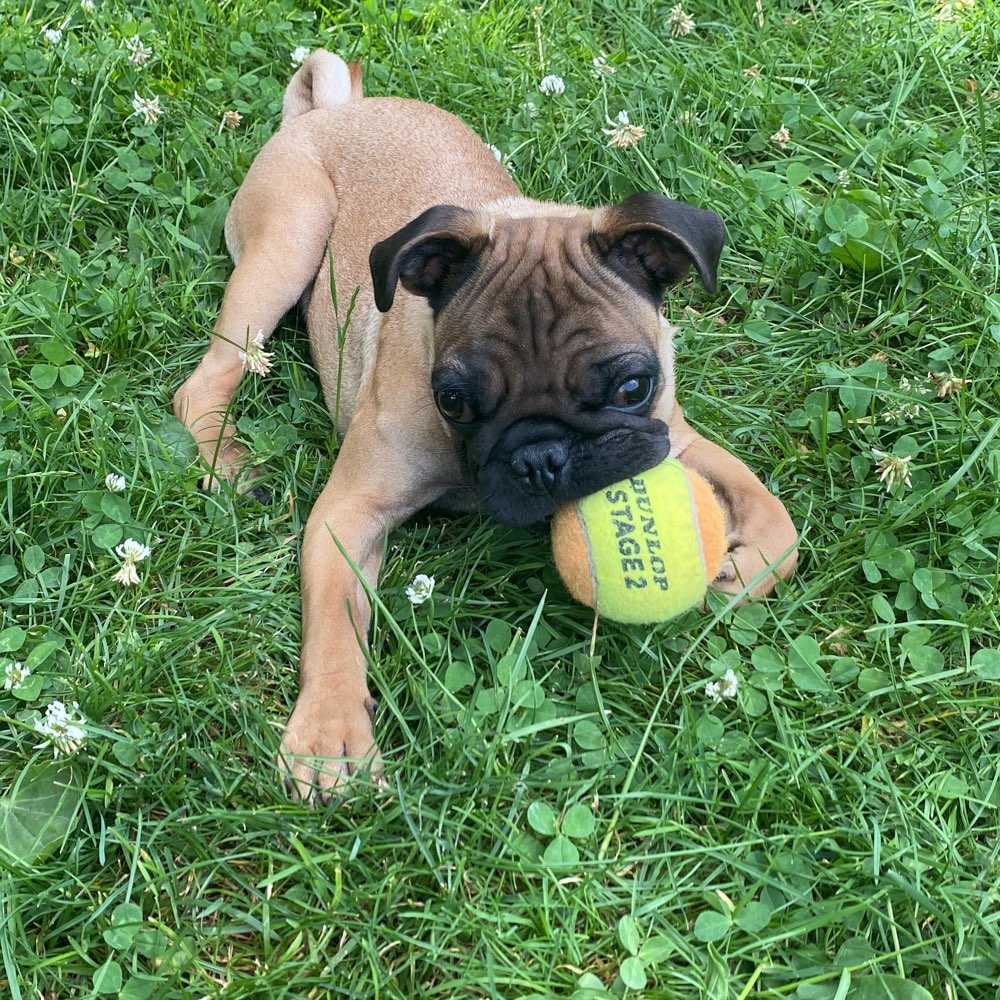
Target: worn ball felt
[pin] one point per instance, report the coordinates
(645, 549)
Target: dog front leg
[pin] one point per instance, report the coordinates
(760, 534)
(329, 735)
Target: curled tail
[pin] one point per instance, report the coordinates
(322, 81)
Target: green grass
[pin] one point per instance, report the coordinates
(561, 820)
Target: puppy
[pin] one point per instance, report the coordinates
(476, 349)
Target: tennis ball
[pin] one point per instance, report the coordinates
(645, 549)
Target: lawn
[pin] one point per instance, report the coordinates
(568, 813)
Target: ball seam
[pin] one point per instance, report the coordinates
(696, 517)
(594, 581)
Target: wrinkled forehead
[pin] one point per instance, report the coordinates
(540, 288)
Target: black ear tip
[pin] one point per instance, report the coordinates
(384, 298)
(384, 292)
(715, 240)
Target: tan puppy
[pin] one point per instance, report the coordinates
(500, 352)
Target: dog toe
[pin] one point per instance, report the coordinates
(320, 754)
(262, 495)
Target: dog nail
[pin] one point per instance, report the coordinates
(262, 495)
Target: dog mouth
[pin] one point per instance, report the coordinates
(524, 481)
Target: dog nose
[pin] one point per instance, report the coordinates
(539, 464)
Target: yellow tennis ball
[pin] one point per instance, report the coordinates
(645, 549)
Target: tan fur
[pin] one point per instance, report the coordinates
(340, 175)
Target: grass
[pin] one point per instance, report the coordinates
(562, 820)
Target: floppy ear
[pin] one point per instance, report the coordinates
(652, 241)
(429, 257)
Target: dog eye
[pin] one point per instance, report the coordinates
(633, 392)
(453, 406)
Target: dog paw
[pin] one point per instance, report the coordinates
(325, 745)
(262, 495)
(243, 479)
(744, 564)
(240, 476)
(230, 464)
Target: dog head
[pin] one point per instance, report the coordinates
(551, 359)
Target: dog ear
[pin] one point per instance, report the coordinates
(429, 257)
(652, 241)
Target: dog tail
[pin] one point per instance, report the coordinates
(322, 81)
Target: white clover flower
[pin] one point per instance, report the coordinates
(88, 6)
(255, 358)
(421, 588)
(300, 55)
(905, 411)
(622, 135)
(130, 552)
(230, 120)
(52, 35)
(782, 137)
(62, 728)
(948, 383)
(843, 178)
(894, 469)
(681, 23)
(552, 85)
(724, 688)
(921, 387)
(148, 107)
(530, 109)
(752, 72)
(114, 482)
(138, 54)
(14, 674)
(127, 576)
(601, 67)
(948, 12)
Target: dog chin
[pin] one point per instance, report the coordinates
(519, 511)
